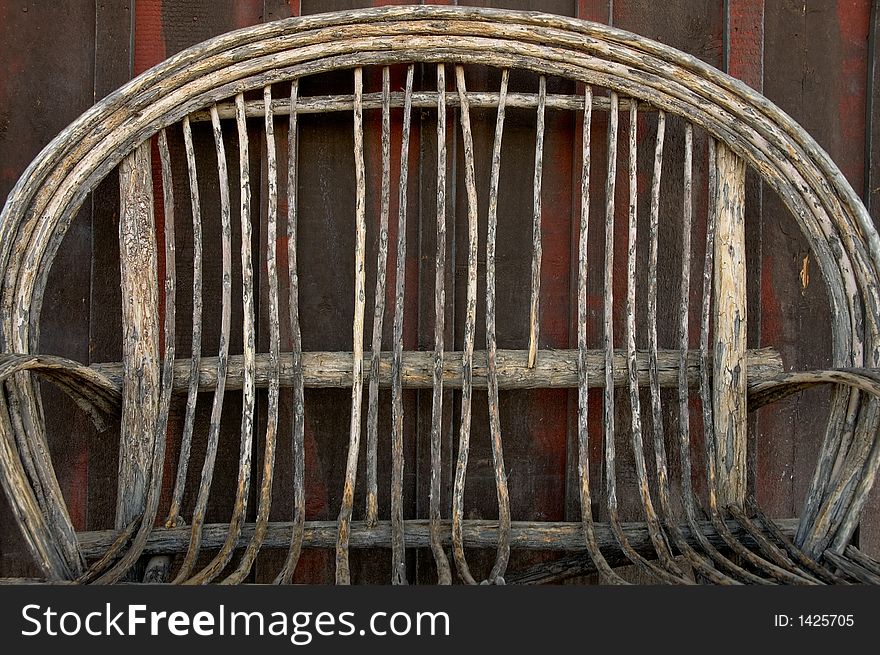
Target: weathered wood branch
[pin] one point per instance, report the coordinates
(285, 575)
(554, 369)
(537, 249)
(729, 388)
(140, 332)
(567, 537)
(379, 306)
(343, 574)
(503, 555)
(420, 100)
(467, 359)
(220, 362)
(196, 343)
(398, 555)
(444, 574)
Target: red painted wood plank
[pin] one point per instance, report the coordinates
(853, 21)
(149, 41)
(745, 46)
(247, 12)
(598, 11)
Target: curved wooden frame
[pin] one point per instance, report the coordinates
(836, 225)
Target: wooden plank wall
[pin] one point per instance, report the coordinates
(812, 57)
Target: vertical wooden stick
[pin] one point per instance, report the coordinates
(653, 248)
(159, 565)
(706, 317)
(729, 381)
(534, 309)
(343, 574)
(299, 462)
(221, 559)
(265, 502)
(583, 379)
(655, 530)
(398, 569)
(705, 365)
(444, 576)
(503, 554)
(469, 328)
(140, 333)
(372, 517)
(174, 518)
(207, 476)
(608, 295)
(696, 560)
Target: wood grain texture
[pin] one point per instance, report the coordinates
(398, 557)
(379, 304)
(559, 369)
(285, 575)
(540, 535)
(221, 559)
(534, 307)
(496, 576)
(583, 426)
(140, 339)
(266, 478)
(744, 59)
(728, 565)
(196, 343)
(658, 538)
(126, 565)
(730, 321)
(700, 564)
(444, 575)
(340, 102)
(469, 327)
(343, 574)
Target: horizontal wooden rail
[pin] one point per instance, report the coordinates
(425, 100)
(553, 369)
(524, 535)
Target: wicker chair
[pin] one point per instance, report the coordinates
(686, 536)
